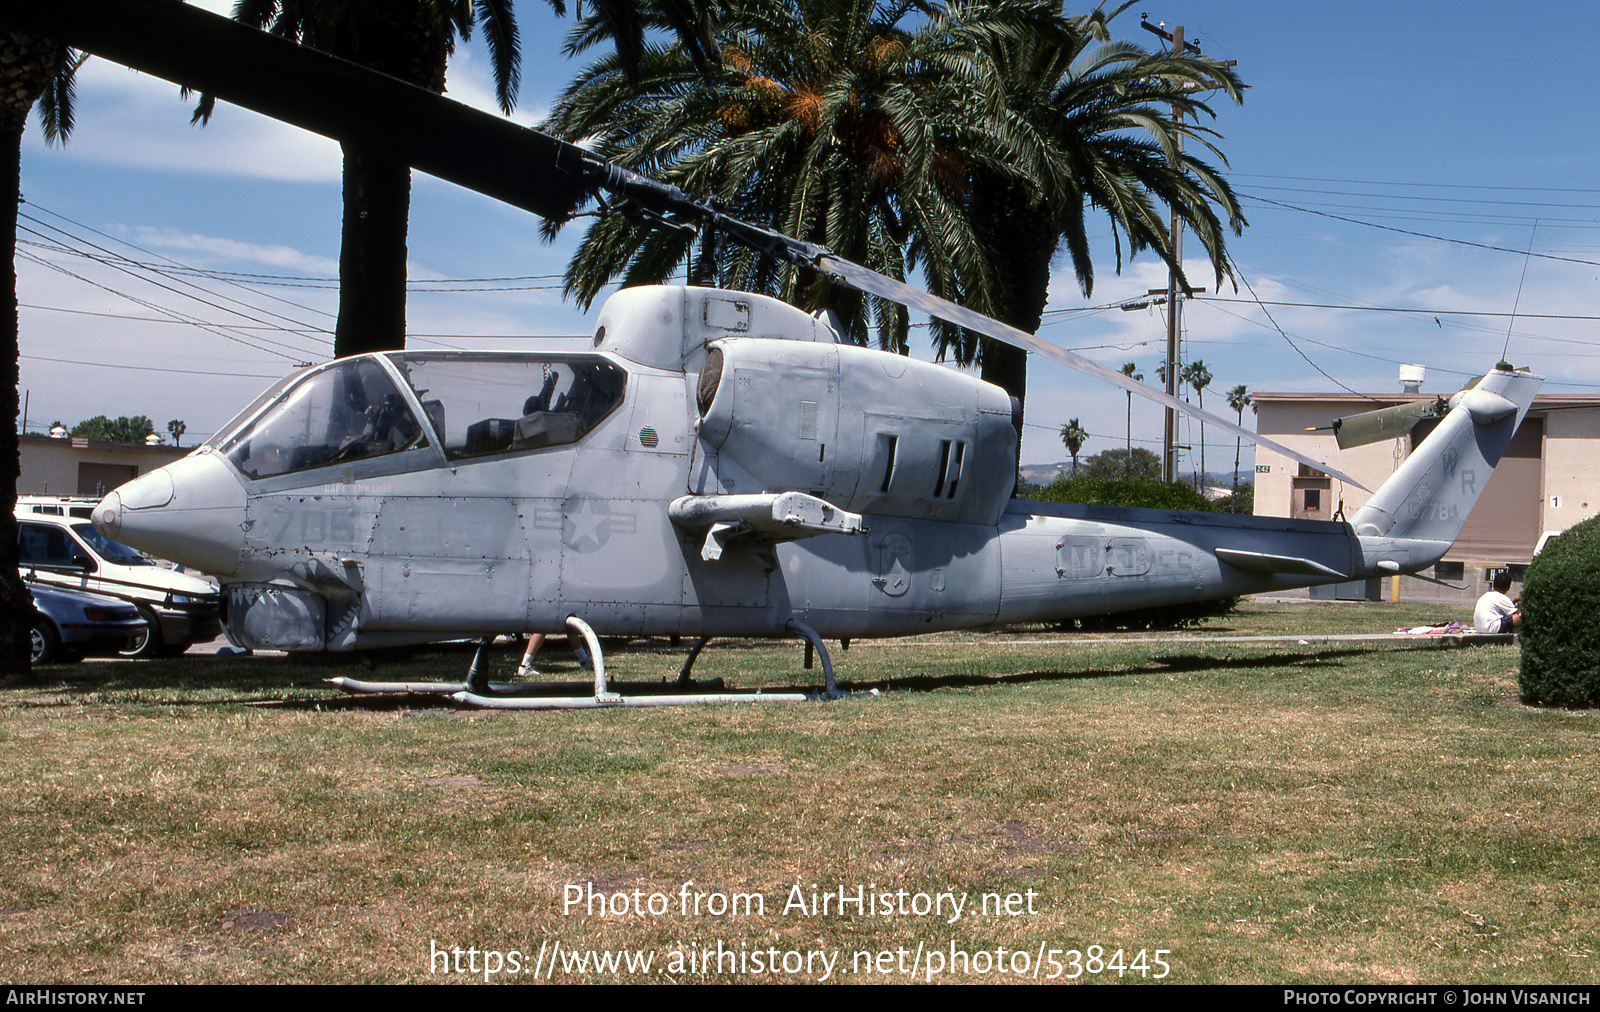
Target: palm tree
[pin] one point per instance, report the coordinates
(1091, 129)
(824, 119)
(1073, 437)
(32, 70)
(1238, 399)
(410, 40)
(1131, 370)
(970, 146)
(1198, 376)
(692, 21)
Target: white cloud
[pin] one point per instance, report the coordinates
(134, 120)
(470, 80)
(217, 249)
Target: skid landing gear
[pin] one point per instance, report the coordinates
(475, 690)
(814, 642)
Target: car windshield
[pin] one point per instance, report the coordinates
(112, 551)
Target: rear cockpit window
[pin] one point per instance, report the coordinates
(351, 411)
(487, 404)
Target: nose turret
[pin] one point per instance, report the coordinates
(191, 512)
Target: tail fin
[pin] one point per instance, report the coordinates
(1429, 497)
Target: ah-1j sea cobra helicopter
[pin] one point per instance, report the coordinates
(719, 463)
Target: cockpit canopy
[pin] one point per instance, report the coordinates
(472, 405)
(485, 404)
(350, 411)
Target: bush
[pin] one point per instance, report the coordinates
(1560, 630)
(1133, 492)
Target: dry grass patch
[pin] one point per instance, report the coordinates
(1265, 812)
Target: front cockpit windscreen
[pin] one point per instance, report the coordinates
(487, 404)
(350, 411)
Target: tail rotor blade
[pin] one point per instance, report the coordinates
(1384, 423)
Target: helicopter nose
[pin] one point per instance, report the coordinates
(190, 512)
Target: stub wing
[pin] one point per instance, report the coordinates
(764, 518)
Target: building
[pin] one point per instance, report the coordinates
(1548, 481)
(89, 467)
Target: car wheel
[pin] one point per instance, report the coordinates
(147, 643)
(46, 644)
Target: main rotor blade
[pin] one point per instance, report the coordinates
(317, 92)
(873, 283)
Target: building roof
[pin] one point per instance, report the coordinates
(1540, 403)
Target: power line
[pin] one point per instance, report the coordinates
(110, 260)
(152, 319)
(151, 368)
(1441, 200)
(1450, 186)
(169, 260)
(218, 331)
(1424, 235)
(1398, 309)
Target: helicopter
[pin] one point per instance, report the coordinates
(718, 463)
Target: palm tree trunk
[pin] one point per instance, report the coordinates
(16, 604)
(1022, 242)
(26, 64)
(372, 255)
(1233, 499)
(399, 38)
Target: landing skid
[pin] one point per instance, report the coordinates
(478, 692)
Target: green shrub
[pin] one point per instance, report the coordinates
(1560, 630)
(1133, 492)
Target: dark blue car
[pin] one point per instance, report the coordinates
(68, 624)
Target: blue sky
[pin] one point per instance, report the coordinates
(1439, 129)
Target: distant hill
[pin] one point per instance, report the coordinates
(1044, 474)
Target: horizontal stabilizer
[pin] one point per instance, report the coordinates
(1260, 562)
(765, 518)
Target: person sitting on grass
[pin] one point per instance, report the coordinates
(1497, 613)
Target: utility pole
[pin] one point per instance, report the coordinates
(1175, 297)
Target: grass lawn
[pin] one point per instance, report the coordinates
(1263, 812)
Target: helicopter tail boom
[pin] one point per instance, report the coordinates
(1066, 561)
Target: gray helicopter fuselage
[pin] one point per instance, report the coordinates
(719, 464)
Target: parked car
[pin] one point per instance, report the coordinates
(68, 624)
(56, 545)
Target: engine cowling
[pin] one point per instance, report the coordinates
(866, 430)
